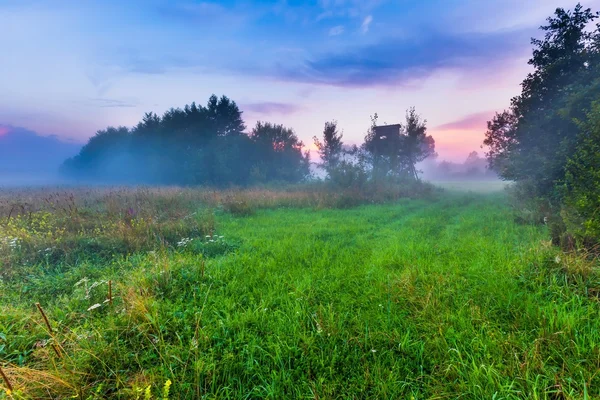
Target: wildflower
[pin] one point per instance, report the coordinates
(557, 259)
(373, 351)
(166, 389)
(184, 242)
(94, 306)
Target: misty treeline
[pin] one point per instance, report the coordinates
(208, 145)
(548, 141)
(194, 145)
(474, 167)
(388, 154)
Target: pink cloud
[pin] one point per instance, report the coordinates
(455, 140)
(470, 122)
(4, 130)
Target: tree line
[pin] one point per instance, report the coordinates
(548, 140)
(208, 145)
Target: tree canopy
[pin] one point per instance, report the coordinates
(191, 146)
(541, 140)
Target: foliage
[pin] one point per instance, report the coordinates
(191, 146)
(395, 153)
(330, 149)
(474, 167)
(278, 154)
(582, 181)
(534, 140)
(535, 137)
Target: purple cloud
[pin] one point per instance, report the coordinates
(468, 123)
(25, 151)
(268, 108)
(401, 60)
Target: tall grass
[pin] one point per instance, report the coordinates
(445, 297)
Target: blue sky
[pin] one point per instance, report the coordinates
(70, 68)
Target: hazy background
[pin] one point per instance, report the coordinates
(70, 68)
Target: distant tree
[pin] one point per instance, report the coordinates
(196, 145)
(472, 158)
(225, 117)
(279, 153)
(330, 149)
(417, 145)
(105, 155)
(396, 152)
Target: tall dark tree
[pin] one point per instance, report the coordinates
(105, 155)
(330, 148)
(279, 153)
(395, 150)
(192, 146)
(532, 140)
(417, 145)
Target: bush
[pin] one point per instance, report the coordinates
(582, 183)
(237, 205)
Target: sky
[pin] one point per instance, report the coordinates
(70, 68)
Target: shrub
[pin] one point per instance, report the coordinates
(237, 205)
(582, 182)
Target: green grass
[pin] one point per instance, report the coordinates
(477, 186)
(443, 299)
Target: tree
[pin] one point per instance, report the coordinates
(224, 116)
(278, 153)
(105, 155)
(533, 139)
(196, 145)
(582, 181)
(330, 149)
(396, 149)
(417, 145)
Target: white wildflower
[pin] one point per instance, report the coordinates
(83, 280)
(184, 242)
(373, 351)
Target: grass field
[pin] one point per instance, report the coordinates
(477, 186)
(442, 298)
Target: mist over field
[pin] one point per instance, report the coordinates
(299, 200)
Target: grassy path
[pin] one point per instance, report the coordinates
(421, 299)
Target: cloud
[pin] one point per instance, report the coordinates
(25, 151)
(324, 15)
(404, 60)
(477, 121)
(336, 30)
(109, 103)
(269, 108)
(364, 27)
(189, 11)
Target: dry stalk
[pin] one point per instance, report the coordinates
(54, 346)
(6, 381)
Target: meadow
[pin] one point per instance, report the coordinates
(184, 293)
